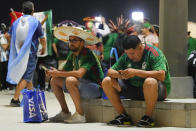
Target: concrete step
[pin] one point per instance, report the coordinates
(181, 87)
(169, 113)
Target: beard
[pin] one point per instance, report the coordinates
(73, 49)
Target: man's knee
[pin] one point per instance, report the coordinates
(52, 82)
(150, 83)
(71, 81)
(55, 82)
(106, 81)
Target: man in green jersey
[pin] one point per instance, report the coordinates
(81, 75)
(191, 44)
(140, 74)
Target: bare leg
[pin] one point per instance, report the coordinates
(150, 89)
(21, 85)
(112, 89)
(30, 85)
(72, 86)
(56, 85)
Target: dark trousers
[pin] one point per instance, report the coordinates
(3, 74)
(194, 86)
(192, 72)
(39, 74)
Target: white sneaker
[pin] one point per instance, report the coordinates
(76, 118)
(60, 117)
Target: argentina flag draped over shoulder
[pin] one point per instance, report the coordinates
(21, 39)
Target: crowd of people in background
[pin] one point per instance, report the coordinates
(110, 35)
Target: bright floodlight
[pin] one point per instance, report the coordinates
(138, 16)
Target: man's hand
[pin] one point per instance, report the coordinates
(44, 20)
(52, 72)
(42, 50)
(114, 73)
(43, 43)
(128, 73)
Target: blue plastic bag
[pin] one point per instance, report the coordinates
(34, 108)
(42, 105)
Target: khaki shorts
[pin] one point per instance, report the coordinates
(88, 89)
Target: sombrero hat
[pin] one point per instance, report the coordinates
(89, 19)
(64, 32)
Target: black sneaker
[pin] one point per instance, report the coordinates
(121, 120)
(15, 103)
(146, 121)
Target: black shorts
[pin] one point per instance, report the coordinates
(136, 93)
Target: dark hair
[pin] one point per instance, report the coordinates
(122, 28)
(27, 7)
(131, 41)
(188, 32)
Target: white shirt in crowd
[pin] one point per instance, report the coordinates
(151, 39)
(3, 53)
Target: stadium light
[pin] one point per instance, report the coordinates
(138, 16)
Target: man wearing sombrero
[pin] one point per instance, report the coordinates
(81, 75)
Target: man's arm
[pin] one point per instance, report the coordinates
(5, 42)
(113, 73)
(8, 38)
(5, 46)
(44, 20)
(77, 73)
(43, 43)
(55, 49)
(155, 41)
(130, 72)
(156, 44)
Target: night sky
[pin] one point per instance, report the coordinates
(78, 9)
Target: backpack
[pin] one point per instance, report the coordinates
(192, 69)
(192, 63)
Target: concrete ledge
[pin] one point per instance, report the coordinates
(169, 113)
(182, 87)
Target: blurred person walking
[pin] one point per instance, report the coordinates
(24, 37)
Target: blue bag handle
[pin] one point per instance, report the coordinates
(113, 50)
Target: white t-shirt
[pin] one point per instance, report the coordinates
(3, 53)
(151, 39)
(104, 31)
(3, 40)
(141, 37)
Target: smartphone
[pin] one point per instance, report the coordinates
(120, 71)
(43, 67)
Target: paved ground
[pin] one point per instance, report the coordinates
(11, 119)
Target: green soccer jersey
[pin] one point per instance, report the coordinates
(55, 40)
(88, 60)
(108, 42)
(152, 59)
(191, 45)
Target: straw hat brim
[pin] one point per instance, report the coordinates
(64, 32)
